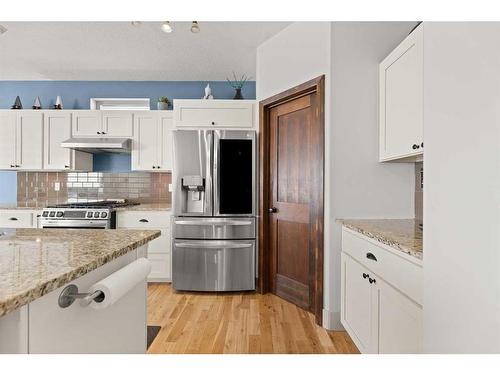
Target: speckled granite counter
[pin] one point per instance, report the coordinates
(147, 207)
(401, 234)
(33, 262)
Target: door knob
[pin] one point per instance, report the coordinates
(273, 210)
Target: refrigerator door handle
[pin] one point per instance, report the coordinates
(208, 139)
(212, 245)
(216, 142)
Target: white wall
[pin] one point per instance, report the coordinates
(462, 187)
(360, 186)
(356, 185)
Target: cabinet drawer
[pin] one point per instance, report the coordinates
(398, 271)
(16, 219)
(160, 267)
(143, 219)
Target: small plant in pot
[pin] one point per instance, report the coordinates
(163, 103)
(237, 84)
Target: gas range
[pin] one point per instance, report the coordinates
(95, 215)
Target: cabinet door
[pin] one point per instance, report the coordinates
(86, 124)
(160, 267)
(166, 124)
(358, 310)
(117, 124)
(8, 140)
(214, 113)
(401, 99)
(57, 129)
(145, 142)
(400, 322)
(30, 140)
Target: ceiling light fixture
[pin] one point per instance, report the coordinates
(195, 28)
(3, 29)
(166, 27)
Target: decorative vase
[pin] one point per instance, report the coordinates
(237, 95)
(17, 104)
(162, 106)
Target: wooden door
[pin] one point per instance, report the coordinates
(292, 200)
(30, 141)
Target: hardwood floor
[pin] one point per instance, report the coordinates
(236, 323)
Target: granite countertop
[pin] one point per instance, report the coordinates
(34, 262)
(401, 234)
(147, 207)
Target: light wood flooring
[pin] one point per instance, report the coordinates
(236, 323)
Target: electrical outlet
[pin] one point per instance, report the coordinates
(57, 186)
(169, 188)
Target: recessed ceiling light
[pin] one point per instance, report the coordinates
(3, 29)
(195, 28)
(136, 23)
(166, 27)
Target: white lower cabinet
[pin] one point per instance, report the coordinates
(159, 250)
(376, 314)
(13, 219)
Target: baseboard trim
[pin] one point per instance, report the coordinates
(331, 320)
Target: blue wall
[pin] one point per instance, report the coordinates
(77, 94)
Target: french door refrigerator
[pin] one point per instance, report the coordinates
(214, 204)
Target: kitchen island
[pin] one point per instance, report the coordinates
(36, 265)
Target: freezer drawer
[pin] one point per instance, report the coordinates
(216, 228)
(213, 265)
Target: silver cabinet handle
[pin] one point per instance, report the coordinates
(144, 221)
(208, 245)
(213, 223)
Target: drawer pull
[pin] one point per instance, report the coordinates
(365, 275)
(13, 218)
(144, 221)
(371, 256)
(372, 281)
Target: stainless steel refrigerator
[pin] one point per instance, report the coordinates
(214, 205)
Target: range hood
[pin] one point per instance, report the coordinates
(98, 145)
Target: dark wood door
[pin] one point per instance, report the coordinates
(295, 157)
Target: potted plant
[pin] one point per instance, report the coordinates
(237, 84)
(163, 103)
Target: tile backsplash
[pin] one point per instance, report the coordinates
(43, 188)
(419, 191)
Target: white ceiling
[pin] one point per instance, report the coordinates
(120, 51)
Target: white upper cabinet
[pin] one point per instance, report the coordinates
(96, 123)
(8, 140)
(401, 100)
(152, 142)
(57, 129)
(214, 113)
(166, 125)
(86, 124)
(30, 140)
(117, 124)
(21, 143)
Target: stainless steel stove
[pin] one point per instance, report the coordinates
(81, 215)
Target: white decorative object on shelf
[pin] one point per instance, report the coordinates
(125, 104)
(208, 92)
